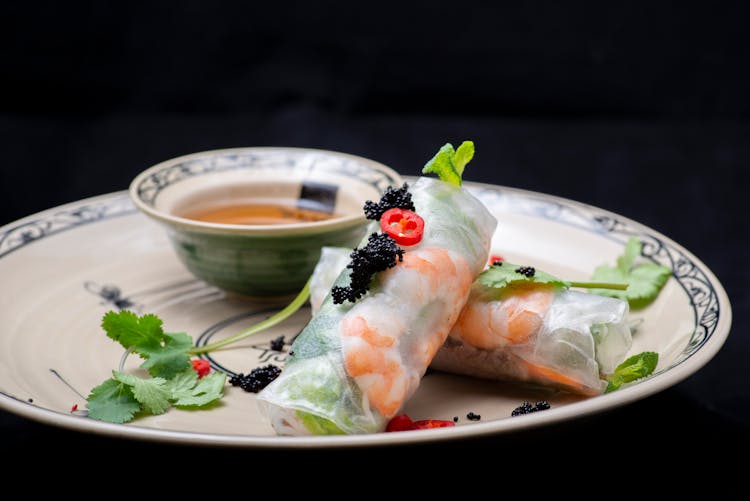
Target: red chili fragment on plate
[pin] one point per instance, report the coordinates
(74, 408)
(496, 258)
(402, 422)
(426, 424)
(201, 366)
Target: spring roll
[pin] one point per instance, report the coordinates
(538, 334)
(354, 365)
(535, 333)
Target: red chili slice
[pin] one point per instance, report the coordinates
(426, 424)
(402, 225)
(402, 422)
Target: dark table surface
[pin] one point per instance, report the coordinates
(670, 150)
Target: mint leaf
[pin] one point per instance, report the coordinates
(187, 390)
(463, 156)
(167, 360)
(504, 274)
(150, 393)
(634, 368)
(112, 401)
(645, 280)
(130, 330)
(449, 164)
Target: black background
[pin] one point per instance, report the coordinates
(641, 108)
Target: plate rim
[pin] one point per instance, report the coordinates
(659, 382)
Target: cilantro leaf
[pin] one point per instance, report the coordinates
(166, 354)
(187, 390)
(645, 280)
(504, 274)
(112, 401)
(449, 164)
(130, 330)
(634, 368)
(166, 361)
(150, 393)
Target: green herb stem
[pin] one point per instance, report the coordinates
(124, 357)
(274, 319)
(600, 285)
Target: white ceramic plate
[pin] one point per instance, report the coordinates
(62, 269)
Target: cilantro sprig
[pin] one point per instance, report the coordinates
(645, 279)
(171, 379)
(449, 163)
(503, 274)
(634, 368)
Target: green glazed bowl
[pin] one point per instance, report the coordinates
(269, 260)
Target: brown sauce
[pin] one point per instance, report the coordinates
(256, 214)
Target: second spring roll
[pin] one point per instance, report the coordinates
(539, 334)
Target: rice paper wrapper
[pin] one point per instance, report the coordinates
(332, 262)
(581, 337)
(354, 365)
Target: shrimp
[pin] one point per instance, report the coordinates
(388, 354)
(512, 322)
(555, 377)
(513, 319)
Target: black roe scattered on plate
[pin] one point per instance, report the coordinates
(278, 344)
(257, 379)
(527, 407)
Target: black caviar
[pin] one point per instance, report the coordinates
(278, 343)
(257, 379)
(497, 263)
(391, 199)
(528, 271)
(380, 253)
(473, 417)
(526, 408)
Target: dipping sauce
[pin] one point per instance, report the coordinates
(258, 214)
